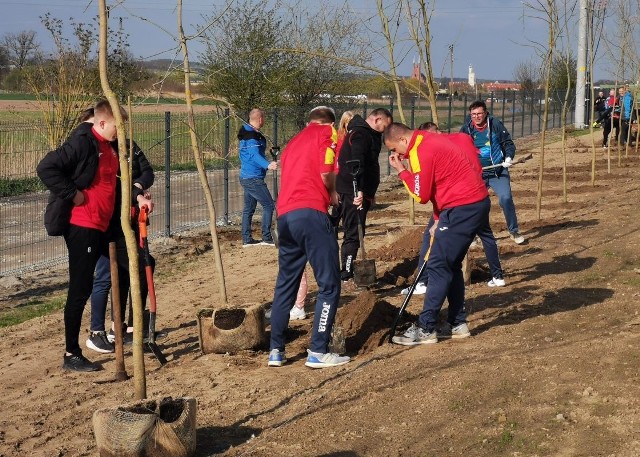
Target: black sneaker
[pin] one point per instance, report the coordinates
(78, 362)
(346, 275)
(251, 242)
(98, 342)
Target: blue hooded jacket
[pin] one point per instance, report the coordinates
(627, 103)
(502, 145)
(252, 148)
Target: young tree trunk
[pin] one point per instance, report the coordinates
(198, 158)
(140, 382)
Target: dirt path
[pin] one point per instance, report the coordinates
(551, 370)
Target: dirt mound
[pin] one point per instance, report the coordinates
(366, 322)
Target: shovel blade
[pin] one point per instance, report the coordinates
(364, 272)
(157, 352)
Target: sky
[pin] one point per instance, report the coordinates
(490, 35)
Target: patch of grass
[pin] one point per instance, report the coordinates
(35, 308)
(634, 282)
(11, 187)
(609, 254)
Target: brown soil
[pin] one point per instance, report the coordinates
(552, 368)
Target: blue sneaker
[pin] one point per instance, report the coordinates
(277, 358)
(318, 360)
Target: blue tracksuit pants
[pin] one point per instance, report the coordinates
(306, 235)
(453, 236)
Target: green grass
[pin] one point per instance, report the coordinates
(9, 187)
(35, 308)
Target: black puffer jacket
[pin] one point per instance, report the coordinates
(363, 144)
(72, 167)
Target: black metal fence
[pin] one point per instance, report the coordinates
(24, 244)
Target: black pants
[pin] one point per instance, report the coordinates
(607, 130)
(85, 246)
(351, 215)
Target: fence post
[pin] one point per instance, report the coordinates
(276, 148)
(513, 112)
(364, 110)
(449, 116)
(167, 173)
(531, 115)
(225, 167)
(391, 111)
(504, 102)
(491, 102)
(524, 103)
(413, 112)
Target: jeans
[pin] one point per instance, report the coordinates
(306, 235)
(501, 185)
(256, 191)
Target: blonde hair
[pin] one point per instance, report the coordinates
(344, 121)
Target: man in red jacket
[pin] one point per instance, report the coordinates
(305, 233)
(440, 171)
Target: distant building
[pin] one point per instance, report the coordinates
(472, 77)
(417, 74)
(498, 86)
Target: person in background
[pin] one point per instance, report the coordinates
(485, 233)
(611, 120)
(253, 168)
(142, 178)
(362, 145)
(305, 234)
(493, 140)
(81, 176)
(599, 106)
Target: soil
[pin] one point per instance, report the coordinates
(551, 369)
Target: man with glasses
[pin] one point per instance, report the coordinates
(493, 140)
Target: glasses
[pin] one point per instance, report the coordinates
(478, 114)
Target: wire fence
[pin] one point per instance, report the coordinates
(177, 192)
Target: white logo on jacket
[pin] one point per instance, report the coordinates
(416, 185)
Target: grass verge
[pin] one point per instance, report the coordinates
(35, 308)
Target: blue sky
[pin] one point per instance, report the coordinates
(491, 35)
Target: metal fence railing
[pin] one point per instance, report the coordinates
(24, 244)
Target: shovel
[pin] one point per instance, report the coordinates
(392, 332)
(275, 151)
(144, 243)
(364, 270)
(520, 160)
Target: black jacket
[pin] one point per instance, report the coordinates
(72, 167)
(363, 144)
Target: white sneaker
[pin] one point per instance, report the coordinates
(317, 360)
(421, 289)
(496, 282)
(516, 237)
(297, 314)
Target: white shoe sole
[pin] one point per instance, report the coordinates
(276, 363)
(404, 341)
(460, 336)
(93, 347)
(324, 365)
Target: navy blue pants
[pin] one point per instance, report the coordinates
(489, 245)
(455, 232)
(306, 235)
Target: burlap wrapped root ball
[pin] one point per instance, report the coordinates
(149, 428)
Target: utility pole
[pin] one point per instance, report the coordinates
(450, 70)
(581, 66)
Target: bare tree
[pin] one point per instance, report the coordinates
(528, 74)
(62, 80)
(420, 31)
(125, 184)
(21, 46)
(197, 154)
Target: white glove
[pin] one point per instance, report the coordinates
(507, 162)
